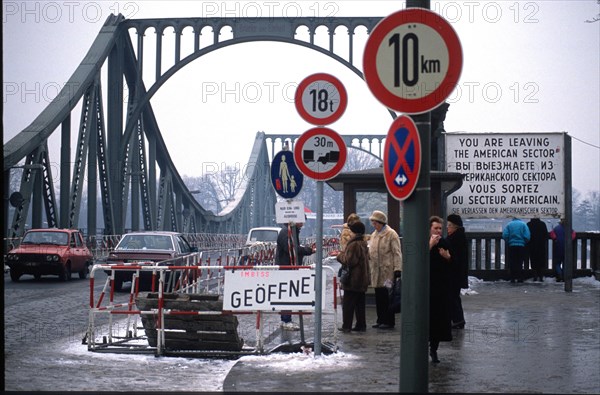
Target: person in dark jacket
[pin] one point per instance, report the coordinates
(538, 247)
(288, 237)
(356, 257)
(558, 248)
(459, 269)
(440, 261)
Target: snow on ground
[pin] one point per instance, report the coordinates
(119, 371)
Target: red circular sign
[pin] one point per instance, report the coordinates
(321, 99)
(320, 153)
(402, 157)
(412, 60)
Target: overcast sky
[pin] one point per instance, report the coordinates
(529, 66)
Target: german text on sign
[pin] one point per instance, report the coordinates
(269, 290)
(507, 174)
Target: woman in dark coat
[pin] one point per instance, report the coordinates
(356, 257)
(459, 249)
(538, 247)
(439, 288)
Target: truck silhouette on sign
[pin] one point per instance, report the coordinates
(330, 157)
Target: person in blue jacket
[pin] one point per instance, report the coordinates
(516, 235)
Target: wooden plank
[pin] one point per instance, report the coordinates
(189, 302)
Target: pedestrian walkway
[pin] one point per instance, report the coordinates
(530, 337)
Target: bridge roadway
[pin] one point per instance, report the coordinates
(530, 337)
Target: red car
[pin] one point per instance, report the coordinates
(50, 252)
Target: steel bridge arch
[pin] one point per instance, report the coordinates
(120, 153)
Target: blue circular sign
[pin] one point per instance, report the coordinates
(285, 176)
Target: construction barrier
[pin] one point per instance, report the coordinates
(183, 312)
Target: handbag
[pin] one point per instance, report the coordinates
(344, 275)
(395, 294)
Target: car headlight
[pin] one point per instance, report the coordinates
(52, 258)
(13, 257)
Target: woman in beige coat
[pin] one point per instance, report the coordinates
(385, 259)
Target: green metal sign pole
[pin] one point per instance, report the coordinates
(414, 360)
(319, 269)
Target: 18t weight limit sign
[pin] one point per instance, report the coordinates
(321, 99)
(412, 61)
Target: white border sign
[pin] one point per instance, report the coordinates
(507, 174)
(412, 60)
(292, 211)
(321, 99)
(320, 153)
(269, 290)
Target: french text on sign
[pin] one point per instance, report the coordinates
(507, 174)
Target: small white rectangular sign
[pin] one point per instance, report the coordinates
(286, 212)
(269, 290)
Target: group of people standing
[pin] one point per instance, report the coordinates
(378, 263)
(531, 240)
(376, 260)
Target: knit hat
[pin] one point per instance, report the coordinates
(352, 218)
(357, 228)
(455, 219)
(378, 216)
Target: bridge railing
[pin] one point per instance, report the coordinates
(487, 256)
(486, 260)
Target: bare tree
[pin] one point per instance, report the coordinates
(226, 184)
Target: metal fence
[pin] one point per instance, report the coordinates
(487, 259)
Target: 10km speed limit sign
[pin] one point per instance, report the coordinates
(412, 60)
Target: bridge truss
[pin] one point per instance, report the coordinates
(120, 158)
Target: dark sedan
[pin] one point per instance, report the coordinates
(146, 248)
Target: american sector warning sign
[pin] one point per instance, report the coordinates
(507, 174)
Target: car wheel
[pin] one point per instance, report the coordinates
(65, 274)
(15, 275)
(83, 274)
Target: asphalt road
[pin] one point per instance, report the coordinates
(530, 337)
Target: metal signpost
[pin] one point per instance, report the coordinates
(412, 62)
(320, 153)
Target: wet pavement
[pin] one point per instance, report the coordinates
(530, 337)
